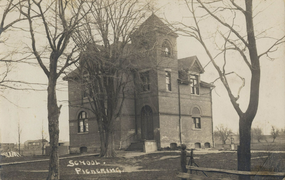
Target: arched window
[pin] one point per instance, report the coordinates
(82, 122)
(83, 149)
(197, 145)
(166, 49)
(196, 118)
(207, 145)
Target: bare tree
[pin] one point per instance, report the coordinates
(223, 133)
(256, 133)
(235, 30)
(105, 66)
(274, 133)
(59, 19)
(282, 131)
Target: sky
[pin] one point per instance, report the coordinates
(29, 108)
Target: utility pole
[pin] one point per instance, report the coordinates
(19, 136)
(42, 138)
(179, 111)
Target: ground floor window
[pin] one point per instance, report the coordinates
(82, 122)
(197, 145)
(207, 145)
(83, 149)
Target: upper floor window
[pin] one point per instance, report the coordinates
(196, 116)
(144, 44)
(145, 81)
(168, 80)
(194, 83)
(166, 50)
(85, 85)
(197, 122)
(82, 122)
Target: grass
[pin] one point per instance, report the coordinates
(162, 165)
(268, 146)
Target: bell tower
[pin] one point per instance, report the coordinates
(156, 40)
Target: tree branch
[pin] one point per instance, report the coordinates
(276, 43)
(223, 23)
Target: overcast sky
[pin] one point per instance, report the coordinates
(30, 107)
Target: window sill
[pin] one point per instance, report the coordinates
(195, 94)
(166, 56)
(85, 99)
(196, 129)
(144, 92)
(82, 132)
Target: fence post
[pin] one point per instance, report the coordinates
(183, 159)
(238, 155)
(191, 160)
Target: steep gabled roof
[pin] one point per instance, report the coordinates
(72, 75)
(190, 64)
(154, 23)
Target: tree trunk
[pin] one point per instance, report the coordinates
(102, 141)
(244, 156)
(107, 142)
(110, 149)
(53, 115)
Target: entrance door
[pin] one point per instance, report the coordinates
(147, 123)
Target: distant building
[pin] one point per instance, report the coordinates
(34, 147)
(173, 103)
(5, 147)
(35, 144)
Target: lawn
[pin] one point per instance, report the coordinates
(162, 165)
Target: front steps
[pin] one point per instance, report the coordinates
(136, 146)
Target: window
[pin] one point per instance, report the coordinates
(83, 149)
(197, 122)
(85, 85)
(145, 82)
(82, 122)
(197, 145)
(144, 44)
(166, 50)
(207, 145)
(168, 80)
(194, 84)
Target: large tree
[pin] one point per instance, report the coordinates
(51, 43)
(236, 40)
(105, 67)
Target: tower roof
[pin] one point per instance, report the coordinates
(154, 23)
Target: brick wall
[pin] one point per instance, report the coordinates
(169, 117)
(164, 104)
